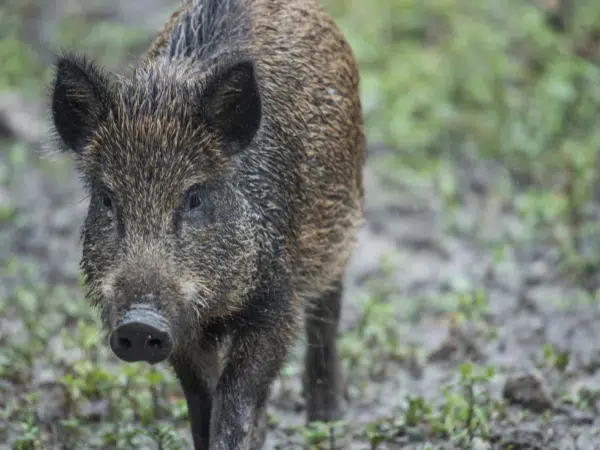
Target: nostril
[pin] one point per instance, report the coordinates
(124, 342)
(155, 343)
(142, 335)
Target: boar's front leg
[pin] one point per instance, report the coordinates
(241, 394)
(323, 378)
(255, 358)
(195, 382)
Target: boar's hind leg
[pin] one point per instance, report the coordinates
(199, 402)
(322, 376)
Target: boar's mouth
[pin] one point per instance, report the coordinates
(142, 335)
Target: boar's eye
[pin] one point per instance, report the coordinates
(197, 206)
(193, 201)
(193, 198)
(106, 201)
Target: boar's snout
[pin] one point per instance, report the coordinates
(142, 335)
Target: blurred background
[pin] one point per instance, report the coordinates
(471, 316)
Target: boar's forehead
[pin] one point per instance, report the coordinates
(147, 153)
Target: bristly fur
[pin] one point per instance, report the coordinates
(207, 27)
(225, 182)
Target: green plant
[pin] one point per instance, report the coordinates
(467, 414)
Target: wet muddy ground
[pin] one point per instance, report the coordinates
(433, 284)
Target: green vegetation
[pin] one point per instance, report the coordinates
(445, 81)
(451, 86)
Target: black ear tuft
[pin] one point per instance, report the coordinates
(231, 103)
(80, 100)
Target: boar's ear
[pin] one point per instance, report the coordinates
(80, 100)
(231, 103)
